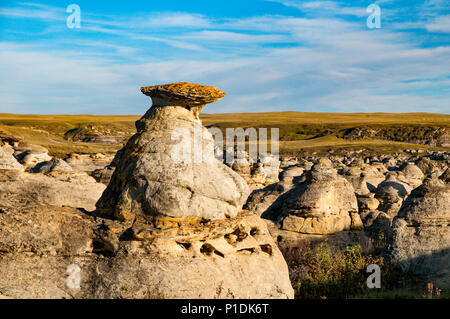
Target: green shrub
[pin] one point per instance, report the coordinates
(318, 272)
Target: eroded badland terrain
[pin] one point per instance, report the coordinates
(348, 190)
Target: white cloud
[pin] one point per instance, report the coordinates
(439, 24)
(321, 64)
(323, 7)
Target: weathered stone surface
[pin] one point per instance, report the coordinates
(54, 164)
(194, 97)
(8, 161)
(376, 223)
(232, 258)
(426, 165)
(20, 189)
(446, 176)
(367, 203)
(104, 175)
(420, 241)
(8, 139)
(31, 154)
(88, 162)
(322, 203)
(151, 179)
(391, 194)
(260, 200)
(258, 173)
(412, 175)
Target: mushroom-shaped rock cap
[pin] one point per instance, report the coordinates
(182, 94)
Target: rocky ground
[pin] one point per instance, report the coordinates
(139, 225)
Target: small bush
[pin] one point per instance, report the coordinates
(318, 272)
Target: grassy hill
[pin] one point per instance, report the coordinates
(300, 132)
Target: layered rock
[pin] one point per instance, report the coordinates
(231, 258)
(420, 242)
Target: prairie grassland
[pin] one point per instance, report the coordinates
(300, 132)
(50, 130)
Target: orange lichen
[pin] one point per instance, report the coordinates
(189, 92)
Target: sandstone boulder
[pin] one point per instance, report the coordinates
(412, 175)
(8, 161)
(88, 162)
(391, 194)
(152, 179)
(55, 164)
(19, 189)
(420, 242)
(322, 203)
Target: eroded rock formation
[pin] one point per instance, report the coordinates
(321, 203)
(153, 180)
(420, 242)
(163, 229)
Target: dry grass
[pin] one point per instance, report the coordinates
(299, 132)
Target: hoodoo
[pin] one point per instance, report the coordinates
(163, 228)
(150, 182)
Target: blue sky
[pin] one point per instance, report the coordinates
(277, 55)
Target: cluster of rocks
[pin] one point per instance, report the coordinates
(144, 225)
(161, 229)
(420, 240)
(29, 176)
(257, 173)
(404, 198)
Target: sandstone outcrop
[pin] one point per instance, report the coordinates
(7, 160)
(8, 139)
(55, 164)
(258, 173)
(187, 215)
(391, 194)
(149, 181)
(163, 229)
(446, 176)
(231, 258)
(426, 165)
(321, 203)
(412, 175)
(20, 189)
(31, 154)
(103, 175)
(420, 242)
(88, 162)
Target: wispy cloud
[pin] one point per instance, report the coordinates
(320, 61)
(439, 24)
(324, 7)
